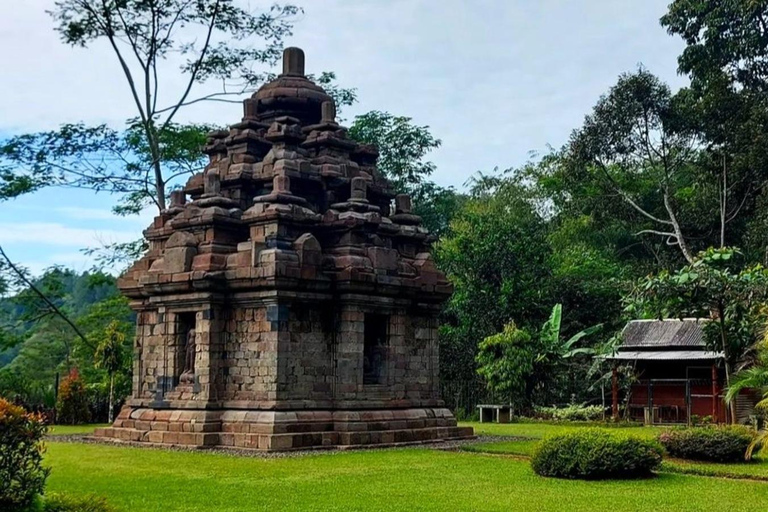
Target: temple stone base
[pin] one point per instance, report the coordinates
(283, 430)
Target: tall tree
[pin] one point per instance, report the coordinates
(635, 138)
(726, 58)
(729, 37)
(214, 38)
(496, 255)
(403, 149)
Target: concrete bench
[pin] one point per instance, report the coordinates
(495, 413)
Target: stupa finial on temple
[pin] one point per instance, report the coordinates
(293, 61)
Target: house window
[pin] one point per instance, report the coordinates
(375, 349)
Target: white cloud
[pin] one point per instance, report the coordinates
(60, 235)
(83, 213)
(494, 79)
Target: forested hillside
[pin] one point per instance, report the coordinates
(39, 345)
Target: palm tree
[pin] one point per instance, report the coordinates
(109, 356)
(753, 377)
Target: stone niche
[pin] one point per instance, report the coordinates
(288, 299)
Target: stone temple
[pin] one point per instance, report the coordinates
(288, 299)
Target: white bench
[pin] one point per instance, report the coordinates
(495, 413)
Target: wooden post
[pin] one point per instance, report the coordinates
(615, 394)
(715, 393)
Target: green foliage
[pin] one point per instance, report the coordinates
(46, 346)
(495, 254)
(110, 351)
(22, 475)
(573, 412)
(110, 356)
(72, 401)
(715, 283)
(63, 502)
(553, 347)
(722, 36)
(505, 361)
(103, 159)
(635, 141)
(155, 30)
(727, 102)
(754, 376)
(402, 147)
(710, 443)
(595, 454)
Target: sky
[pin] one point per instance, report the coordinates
(496, 80)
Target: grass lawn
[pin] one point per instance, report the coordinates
(757, 469)
(521, 447)
(539, 430)
(136, 479)
(67, 430)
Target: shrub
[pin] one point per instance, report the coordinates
(68, 503)
(572, 412)
(593, 454)
(727, 443)
(22, 476)
(72, 403)
(697, 420)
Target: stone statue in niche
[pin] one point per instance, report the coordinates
(188, 372)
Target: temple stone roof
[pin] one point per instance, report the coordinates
(288, 201)
(291, 94)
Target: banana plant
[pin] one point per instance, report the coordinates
(552, 343)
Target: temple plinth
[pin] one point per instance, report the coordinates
(285, 302)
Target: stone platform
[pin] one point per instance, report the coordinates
(284, 430)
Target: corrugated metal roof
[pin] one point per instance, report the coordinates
(663, 333)
(664, 355)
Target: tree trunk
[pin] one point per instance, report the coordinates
(676, 228)
(723, 204)
(111, 413)
(726, 359)
(157, 169)
(615, 394)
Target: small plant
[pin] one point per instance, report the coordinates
(697, 420)
(594, 454)
(22, 475)
(109, 356)
(72, 403)
(573, 412)
(727, 443)
(67, 503)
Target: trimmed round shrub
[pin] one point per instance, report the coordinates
(594, 454)
(22, 475)
(722, 443)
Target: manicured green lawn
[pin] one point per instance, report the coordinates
(757, 469)
(405, 479)
(66, 430)
(539, 430)
(522, 447)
